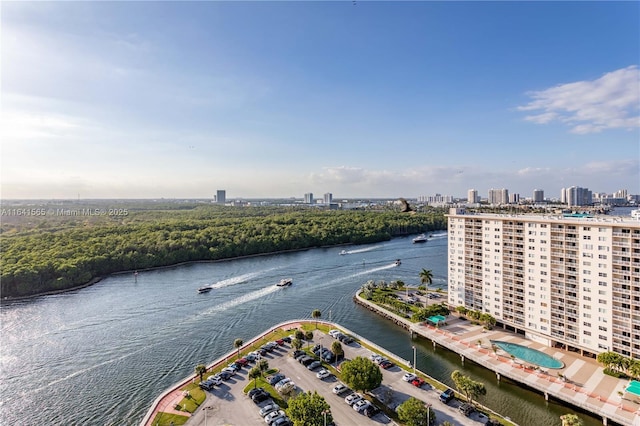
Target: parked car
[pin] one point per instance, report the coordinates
(314, 365)
(231, 371)
(287, 339)
(353, 398)
(340, 388)
(386, 364)
(328, 356)
(287, 387)
(272, 416)
(281, 421)
(297, 353)
(308, 360)
(466, 409)
(269, 408)
(323, 374)
(333, 332)
(235, 366)
(242, 361)
(409, 377)
(282, 383)
(280, 342)
(418, 382)
(225, 375)
(371, 410)
(447, 396)
(272, 380)
(250, 356)
(361, 405)
(259, 397)
(254, 391)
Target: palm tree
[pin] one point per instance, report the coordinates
(254, 373)
(200, 370)
(571, 420)
(263, 365)
(316, 314)
(238, 344)
(336, 348)
(426, 277)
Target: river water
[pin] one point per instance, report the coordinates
(102, 354)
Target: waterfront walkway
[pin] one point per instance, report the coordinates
(586, 386)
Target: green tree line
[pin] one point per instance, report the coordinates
(46, 259)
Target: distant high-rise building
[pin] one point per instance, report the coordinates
(577, 196)
(472, 196)
(308, 198)
(498, 196)
(514, 198)
(622, 193)
(221, 196)
(328, 198)
(538, 196)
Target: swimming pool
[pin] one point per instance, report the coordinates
(437, 319)
(633, 387)
(530, 355)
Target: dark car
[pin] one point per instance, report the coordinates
(466, 409)
(447, 396)
(260, 396)
(235, 366)
(328, 356)
(272, 380)
(297, 353)
(371, 411)
(306, 361)
(224, 375)
(286, 339)
(386, 364)
(254, 391)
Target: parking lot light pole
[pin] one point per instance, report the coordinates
(414, 359)
(206, 411)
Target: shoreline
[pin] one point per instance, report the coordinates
(95, 280)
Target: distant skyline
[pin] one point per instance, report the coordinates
(278, 99)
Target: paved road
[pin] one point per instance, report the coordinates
(228, 405)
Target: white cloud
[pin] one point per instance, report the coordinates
(609, 102)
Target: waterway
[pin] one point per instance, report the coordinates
(101, 355)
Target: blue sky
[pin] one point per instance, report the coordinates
(276, 99)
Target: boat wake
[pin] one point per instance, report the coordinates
(441, 235)
(363, 250)
(239, 279)
(242, 299)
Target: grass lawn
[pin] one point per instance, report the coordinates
(166, 419)
(194, 400)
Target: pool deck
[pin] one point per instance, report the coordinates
(586, 386)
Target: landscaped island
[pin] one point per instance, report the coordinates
(56, 252)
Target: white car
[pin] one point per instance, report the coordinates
(230, 371)
(281, 383)
(286, 388)
(409, 377)
(353, 398)
(361, 405)
(340, 388)
(273, 415)
(333, 332)
(214, 380)
(322, 374)
(268, 409)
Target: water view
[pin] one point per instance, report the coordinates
(102, 354)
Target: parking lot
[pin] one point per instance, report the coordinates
(228, 405)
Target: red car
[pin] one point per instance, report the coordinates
(242, 361)
(280, 342)
(386, 364)
(417, 382)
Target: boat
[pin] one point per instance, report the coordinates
(420, 239)
(204, 290)
(635, 214)
(343, 252)
(398, 263)
(286, 282)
